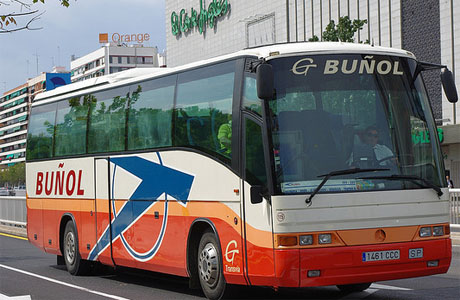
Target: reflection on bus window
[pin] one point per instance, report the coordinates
(150, 114)
(41, 131)
(71, 121)
(203, 105)
(107, 121)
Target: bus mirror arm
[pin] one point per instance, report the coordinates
(447, 79)
(257, 194)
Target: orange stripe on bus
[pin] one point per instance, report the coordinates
(209, 209)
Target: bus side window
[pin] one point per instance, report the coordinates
(107, 124)
(71, 121)
(255, 172)
(250, 100)
(203, 109)
(150, 114)
(41, 131)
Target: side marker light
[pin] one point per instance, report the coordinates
(314, 273)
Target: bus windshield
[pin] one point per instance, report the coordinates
(339, 112)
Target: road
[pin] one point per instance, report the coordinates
(28, 272)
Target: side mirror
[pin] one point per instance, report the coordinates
(448, 84)
(256, 194)
(265, 81)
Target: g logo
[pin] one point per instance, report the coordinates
(230, 254)
(303, 69)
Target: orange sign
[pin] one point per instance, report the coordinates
(124, 38)
(103, 37)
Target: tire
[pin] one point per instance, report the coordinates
(353, 288)
(73, 261)
(209, 262)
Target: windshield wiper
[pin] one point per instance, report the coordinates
(412, 178)
(336, 173)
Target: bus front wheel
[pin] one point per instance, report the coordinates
(73, 261)
(353, 288)
(210, 267)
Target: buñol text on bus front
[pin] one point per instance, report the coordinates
(382, 67)
(59, 182)
(345, 66)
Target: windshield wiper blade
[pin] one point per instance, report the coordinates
(412, 178)
(336, 173)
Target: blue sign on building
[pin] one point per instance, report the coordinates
(54, 80)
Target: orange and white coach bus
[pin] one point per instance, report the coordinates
(290, 165)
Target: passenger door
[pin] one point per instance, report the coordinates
(114, 186)
(102, 251)
(257, 216)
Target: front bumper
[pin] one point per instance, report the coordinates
(344, 265)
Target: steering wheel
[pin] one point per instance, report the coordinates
(379, 161)
(397, 158)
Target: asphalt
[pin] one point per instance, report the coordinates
(19, 230)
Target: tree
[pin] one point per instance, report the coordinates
(344, 31)
(13, 12)
(14, 175)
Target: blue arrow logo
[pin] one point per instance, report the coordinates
(156, 181)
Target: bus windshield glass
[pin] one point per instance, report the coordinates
(339, 112)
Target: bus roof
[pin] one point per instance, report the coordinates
(265, 52)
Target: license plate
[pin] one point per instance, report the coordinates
(381, 255)
(416, 253)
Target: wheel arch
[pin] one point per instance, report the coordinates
(64, 220)
(197, 228)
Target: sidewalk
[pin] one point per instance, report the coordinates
(14, 230)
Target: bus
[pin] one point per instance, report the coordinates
(289, 165)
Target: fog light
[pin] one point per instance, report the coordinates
(432, 263)
(325, 238)
(287, 240)
(438, 230)
(305, 240)
(425, 231)
(314, 273)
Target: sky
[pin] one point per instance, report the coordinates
(74, 31)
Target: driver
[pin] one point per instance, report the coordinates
(383, 154)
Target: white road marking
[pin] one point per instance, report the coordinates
(62, 283)
(372, 289)
(4, 297)
(389, 287)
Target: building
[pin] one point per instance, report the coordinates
(14, 107)
(112, 58)
(426, 28)
(14, 114)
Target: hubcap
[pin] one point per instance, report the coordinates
(208, 265)
(69, 247)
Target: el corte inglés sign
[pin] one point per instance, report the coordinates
(184, 22)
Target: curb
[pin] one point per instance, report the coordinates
(14, 230)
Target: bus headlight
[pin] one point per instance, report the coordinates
(305, 240)
(325, 238)
(438, 230)
(425, 231)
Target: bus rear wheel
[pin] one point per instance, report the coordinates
(73, 261)
(353, 288)
(210, 273)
